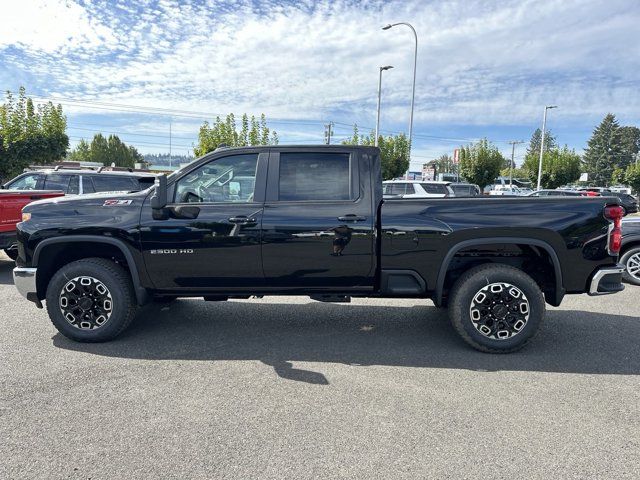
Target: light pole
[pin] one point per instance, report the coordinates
(544, 126)
(413, 89)
(387, 67)
(512, 164)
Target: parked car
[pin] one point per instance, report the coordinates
(81, 181)
(628, 202)
(511, 190)
(557, 193)
(630, 251)
(11, 203)
(315, 224)
(416, 189)
(465, 189)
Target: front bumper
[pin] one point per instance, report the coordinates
(25, 281)
(607, 280)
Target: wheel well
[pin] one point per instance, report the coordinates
(53, 257)
(531, 259)
(629, 246)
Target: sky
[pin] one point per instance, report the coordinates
(485, 68)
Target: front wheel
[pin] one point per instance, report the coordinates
(631, 261)
(91, 300)
(496, 308)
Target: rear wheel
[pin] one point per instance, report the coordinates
(91, 300)
(631, 260)
(496, 308)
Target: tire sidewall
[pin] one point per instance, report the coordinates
(464, 296)
(119, 297)
(624, 259)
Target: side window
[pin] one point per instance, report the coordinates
(57, 181)
(74, 185)
(398, 188)
(87, 185)
(28, 182)
(111, 183)
(434, 188)
(227, 179)
(410, 189)
(314, 176)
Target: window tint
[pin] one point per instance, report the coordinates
(28, 182)
(314, 176)
(74, 185)
(436, 188)
(57, 181)
(87, 185)
(111, 183)
(396, 188)
(410, 189)
(227, 179)
(461, 190)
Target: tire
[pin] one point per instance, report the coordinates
(12, 253)
(91, 300)
(497, 295)
(631, 260)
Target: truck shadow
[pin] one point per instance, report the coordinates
(420, 336)
(6, 267)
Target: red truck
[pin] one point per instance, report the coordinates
(11, 203)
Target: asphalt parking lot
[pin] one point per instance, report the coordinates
(284, 387)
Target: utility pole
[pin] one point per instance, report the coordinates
(513, 144)
(328, 133)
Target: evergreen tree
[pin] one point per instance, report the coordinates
(550, 142)
(604, 151)
(630, 137)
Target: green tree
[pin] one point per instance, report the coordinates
(252, 132)
(560, 166)
(480, 163)
(107, 151)
(630, 137)
(444, 164)
(604, 151)
(632, 177)
(394, 151)
(30, 134)
(550, 142)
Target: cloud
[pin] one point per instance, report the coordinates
(479, 63)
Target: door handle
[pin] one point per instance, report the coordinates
(352, 218)
(242, 219)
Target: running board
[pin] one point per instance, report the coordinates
(331, 298)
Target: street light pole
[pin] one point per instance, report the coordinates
(413, 89)
(387, 67)
(544, 127)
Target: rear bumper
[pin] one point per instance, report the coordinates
(25, 281)
(607, 280)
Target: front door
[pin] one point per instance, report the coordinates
(211, 238)
(318, 221)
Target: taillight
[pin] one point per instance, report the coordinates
(615, 214)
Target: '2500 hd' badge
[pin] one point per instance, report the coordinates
(172, 251)
(116, 203)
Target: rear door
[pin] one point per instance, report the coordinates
(318, 221)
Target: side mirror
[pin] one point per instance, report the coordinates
(159, 197)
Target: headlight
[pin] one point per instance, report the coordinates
(26, 216)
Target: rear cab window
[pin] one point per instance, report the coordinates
(308, 176)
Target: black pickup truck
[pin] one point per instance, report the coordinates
(311, 220)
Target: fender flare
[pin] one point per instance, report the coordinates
(444, 266)
(633, 238)
(141, 292)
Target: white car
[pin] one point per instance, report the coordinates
(506, 190)
(416, 189)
